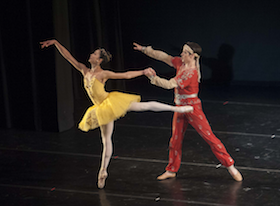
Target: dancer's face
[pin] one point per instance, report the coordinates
(186, 56)
(94, 58)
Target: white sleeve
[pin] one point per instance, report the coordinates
(164, 83)
(156, 54)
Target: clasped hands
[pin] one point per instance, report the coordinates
(150, 72)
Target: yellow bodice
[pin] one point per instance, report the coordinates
(95, 90)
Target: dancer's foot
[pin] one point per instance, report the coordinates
(184, 109)
(235, 173)
(102, 178)
(166, 175)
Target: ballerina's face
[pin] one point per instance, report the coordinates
(94, 58)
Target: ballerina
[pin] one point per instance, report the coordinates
(108, 106)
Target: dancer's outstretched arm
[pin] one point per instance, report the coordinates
(156, 54)
(66, 54)
(105, 75)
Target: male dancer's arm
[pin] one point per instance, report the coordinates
(156, 54)
(158, 81)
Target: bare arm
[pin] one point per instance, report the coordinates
(121, 75)
(156, 54)
(66, 54)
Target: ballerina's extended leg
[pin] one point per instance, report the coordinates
(158, 107)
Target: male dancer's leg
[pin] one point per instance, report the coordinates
(199, 122)
(179, 126)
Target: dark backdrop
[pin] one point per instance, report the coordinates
(240, 41)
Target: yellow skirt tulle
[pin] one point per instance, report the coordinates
(112, 108)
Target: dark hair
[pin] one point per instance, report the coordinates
(195, 47)
(105, 55)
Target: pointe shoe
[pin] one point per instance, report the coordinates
(185, 109)
(166, 175)
(102, 178)
(236, 175)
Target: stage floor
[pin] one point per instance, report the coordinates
(46, 168)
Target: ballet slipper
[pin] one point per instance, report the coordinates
(184, 109)
(102, 178)
(166, 175)
(236, 175)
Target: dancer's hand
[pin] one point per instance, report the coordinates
(47, 43)
(150, 72)
(137, 47)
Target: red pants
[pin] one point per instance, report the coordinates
(199, 122)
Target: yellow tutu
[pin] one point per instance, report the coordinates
(108, 106)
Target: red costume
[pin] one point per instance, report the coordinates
(186, 94)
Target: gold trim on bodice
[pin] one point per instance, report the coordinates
(95, 90)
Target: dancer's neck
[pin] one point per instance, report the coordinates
(96, 68)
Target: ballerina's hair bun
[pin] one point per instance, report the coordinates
(105, 55)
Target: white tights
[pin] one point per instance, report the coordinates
(152, 106)
(106, 134)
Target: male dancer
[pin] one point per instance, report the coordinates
(186, 87)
